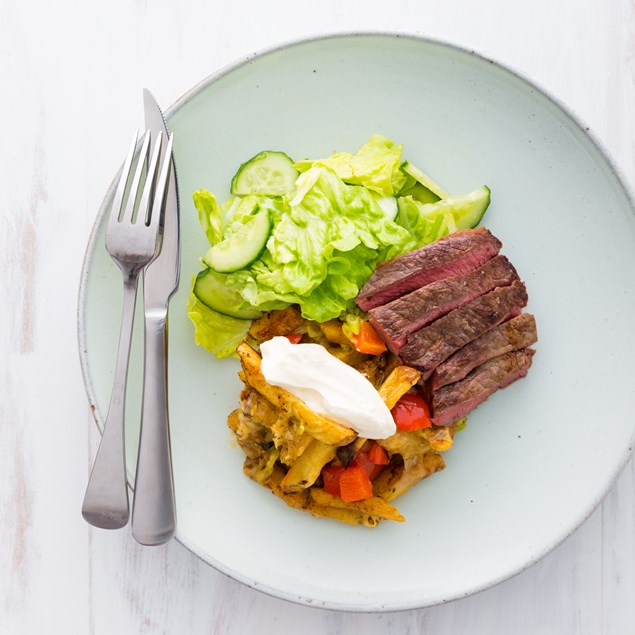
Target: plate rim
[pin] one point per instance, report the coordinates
(207, 558)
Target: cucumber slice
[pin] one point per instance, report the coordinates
(424, 179)
(470, 208)
(420, 193)
(210, 289)
(467, 210)
(242, 248)
(270, 173)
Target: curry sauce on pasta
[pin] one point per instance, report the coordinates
(298, 453)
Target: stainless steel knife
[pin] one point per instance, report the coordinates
(154, 507)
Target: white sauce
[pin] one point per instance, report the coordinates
(327, 385)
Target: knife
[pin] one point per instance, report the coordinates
(154, 508)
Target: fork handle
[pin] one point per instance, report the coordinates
(106, 500)
(154, 509)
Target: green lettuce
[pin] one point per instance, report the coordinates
(324, 246)
(219, 334)
(376, 166)
(209, 215)
(425, 222)
(328, 236)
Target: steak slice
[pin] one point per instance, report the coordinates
(451, 255)
(403, 316)
(433, 344)
(456, 400)
(517, 333)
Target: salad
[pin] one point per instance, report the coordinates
(310, 233)
(289, 252)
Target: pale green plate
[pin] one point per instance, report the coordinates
(534, 460)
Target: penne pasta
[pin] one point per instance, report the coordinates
(320, 504)
(305, 471)
(319, 427)
(397, 384)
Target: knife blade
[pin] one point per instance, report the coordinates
(154, 506)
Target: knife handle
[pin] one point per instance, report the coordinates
(154, 508)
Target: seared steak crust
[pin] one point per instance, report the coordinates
(409, 313)
(456, 400)
(517, 333)
(451, 255)
(433, 344)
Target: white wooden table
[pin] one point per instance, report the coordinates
(71, 75)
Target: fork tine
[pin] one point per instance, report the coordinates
(115, 211)
(150, 185)
(162, 186)
(128, 215)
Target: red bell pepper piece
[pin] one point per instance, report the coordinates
(331, 475)
(378, 455)
(411, 412)
(355, 484)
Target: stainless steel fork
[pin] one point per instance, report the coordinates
(133, 240)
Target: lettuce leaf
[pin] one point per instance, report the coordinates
(323, 248)
(219, 334)
(375, 166)
(209, 215)
(220, 221)
(425, 226)
(340, 163)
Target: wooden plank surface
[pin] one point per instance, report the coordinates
(71, 74)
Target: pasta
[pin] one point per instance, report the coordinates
(289, 448)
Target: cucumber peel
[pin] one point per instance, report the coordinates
(240, 249)
(467, 210)
(421, 177)
(210, 288)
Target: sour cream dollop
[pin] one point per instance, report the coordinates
(327, 385)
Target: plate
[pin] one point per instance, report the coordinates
(537, 457)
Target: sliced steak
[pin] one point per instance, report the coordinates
(456, 400)
(403, 316)
(519, 332)
(451, 255)
(433, 344)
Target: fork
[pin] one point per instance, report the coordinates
(133, 240)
